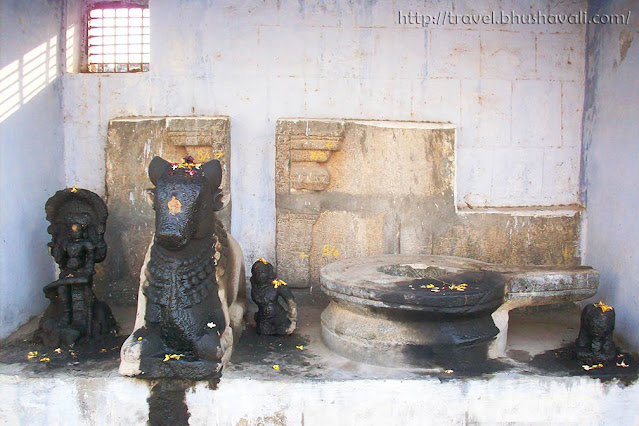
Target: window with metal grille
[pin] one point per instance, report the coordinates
(118, 39)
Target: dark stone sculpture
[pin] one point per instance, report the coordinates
(78, 221)
(192, 295)
(271, 317)
(594, 344)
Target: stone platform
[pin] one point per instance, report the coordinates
(315, 386)
(427, 310)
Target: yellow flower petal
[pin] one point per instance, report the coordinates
(277, 283)
(601, 305)
(262, 260)
(45, 359)
(58, 351)
(300, 347)
(140, 338)
(591, 367)
(172, 356)
(32, 354)
(276, 367)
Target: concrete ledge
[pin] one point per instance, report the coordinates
(243, 401)
(315, 386)
(527, 211)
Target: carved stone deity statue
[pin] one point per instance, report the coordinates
(594, 344)
(266, 290)
(78, 221)
(192, 294)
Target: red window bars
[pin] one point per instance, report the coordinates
(119, 39)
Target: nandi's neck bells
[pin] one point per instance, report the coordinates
(192, 298)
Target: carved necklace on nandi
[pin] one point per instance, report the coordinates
(186, 294)
(195, 277)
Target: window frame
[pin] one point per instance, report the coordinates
(102, 4)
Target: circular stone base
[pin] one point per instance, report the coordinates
(394, 342)
(398, 310)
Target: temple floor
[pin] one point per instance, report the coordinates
(298, 380)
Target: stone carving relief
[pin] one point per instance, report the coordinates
(131, 145)
(351, 188)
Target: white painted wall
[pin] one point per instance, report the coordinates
(515, 92)
(611, 152)
(31, 153)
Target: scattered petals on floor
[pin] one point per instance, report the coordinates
(591, 367)
(172, 356)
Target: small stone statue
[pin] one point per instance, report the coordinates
(594, 344)
(271, 317)
(78, 221)
(192, 298)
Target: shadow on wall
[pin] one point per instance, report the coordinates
(32, 169)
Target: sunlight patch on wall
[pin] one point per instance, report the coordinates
(70, 48)
(9, 89)
(22, 79)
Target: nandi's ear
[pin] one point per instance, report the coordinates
(213, 173)
(217, 200)
(157, 167)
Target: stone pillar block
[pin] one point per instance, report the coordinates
(353, 188)
(131, 145)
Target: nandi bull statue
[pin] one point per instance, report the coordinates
(192, 296)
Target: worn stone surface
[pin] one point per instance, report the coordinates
(311, 176)
(371, 280)
(78, 221)
(314, 385)
(362, 188)
(359, 335)
(512, 239)
(594, 344)
(191, 299)
(435, 310)
(272, 318)
(131, 145)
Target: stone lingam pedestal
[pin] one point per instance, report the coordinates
(435, 311)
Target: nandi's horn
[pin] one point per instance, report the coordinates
(157, 167)
(213, 173)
